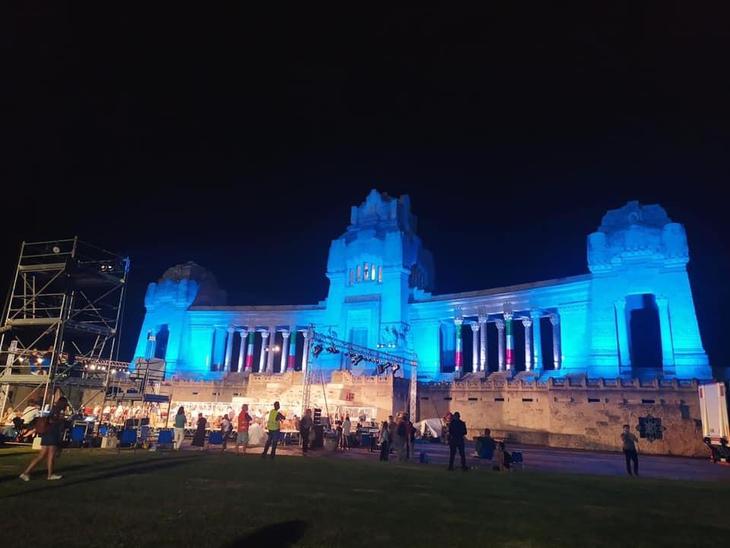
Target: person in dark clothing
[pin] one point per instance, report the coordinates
(305, 426)
(629, 442)
(384, 441)
(457, 431)
(199, 436)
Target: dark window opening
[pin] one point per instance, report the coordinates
(161, 339)
(645, 340)
(546, 335)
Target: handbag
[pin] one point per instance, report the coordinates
(41, 425)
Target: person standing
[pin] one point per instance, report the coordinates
(226, 429)
(244, 421)
(305, 428)
(384, 439)
(401, 438)
(180, 421)
(631, 454)
(273, 425)
(346, 427)
(199, 436)
(411, 437)
(457, 431)
(51, 436)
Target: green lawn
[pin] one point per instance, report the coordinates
(111, 499)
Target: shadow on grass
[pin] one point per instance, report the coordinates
(118, 471)
(276, 535)
(14, 453)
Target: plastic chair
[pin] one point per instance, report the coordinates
(128, 438)
(78, 433)
(215, 438)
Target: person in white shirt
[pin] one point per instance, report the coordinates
(30, 413)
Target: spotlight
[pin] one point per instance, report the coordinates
(356, 359)
(317, 350)
(332, 350)
(396, 367)
(56, 249)
(379, 368)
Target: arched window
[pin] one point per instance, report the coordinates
(352, 276)
(359, 273)
(380, 274)
(372, 273)
(367, 271)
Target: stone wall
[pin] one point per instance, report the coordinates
(566, 412)
(582, 413)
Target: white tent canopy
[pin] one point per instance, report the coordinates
(429, 427)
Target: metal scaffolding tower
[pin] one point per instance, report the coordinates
(62, 318)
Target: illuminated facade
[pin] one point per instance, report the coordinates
(632, 315)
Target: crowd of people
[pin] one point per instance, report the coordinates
(396, 435)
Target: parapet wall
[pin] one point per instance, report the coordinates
(562, 412)
(582, 414)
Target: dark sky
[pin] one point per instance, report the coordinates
(239, 139)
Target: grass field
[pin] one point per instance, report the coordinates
(193, 499)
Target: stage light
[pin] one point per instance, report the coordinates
(356, 359)
(317, 350)
(396, 367)
(56, 249)
(332, 350)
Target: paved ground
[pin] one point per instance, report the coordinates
(548, 459)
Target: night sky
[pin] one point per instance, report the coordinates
(240, 139)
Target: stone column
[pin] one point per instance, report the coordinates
(528, 346)
(622, 332)
(284, 351)
(500, 342)
(555, 320)
(292, 361)
(665, 329)
(305, 352)
(242, 350)
(459, 350)
(229, 350)
(474, 347)
(262, 356)
(483, 343)
(270, 360)
(510, 352)
(536, 342)
(249, 350)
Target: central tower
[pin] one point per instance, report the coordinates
(374, 269)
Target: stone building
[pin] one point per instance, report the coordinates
(561, 362)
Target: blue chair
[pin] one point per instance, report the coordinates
(165, 437)
(517, 458)
(485, 448)
(78, 433)
(128, 437)
(215, 438)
